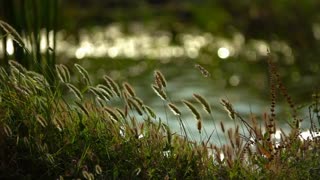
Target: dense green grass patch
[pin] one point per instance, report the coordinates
(106, 132)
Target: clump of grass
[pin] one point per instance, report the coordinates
(45, 135)
(106, 131)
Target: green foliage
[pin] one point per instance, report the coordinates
(43, 135)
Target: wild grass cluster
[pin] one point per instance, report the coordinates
(70, 130)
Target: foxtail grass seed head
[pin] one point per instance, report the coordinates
(106, 89)
(16, 74)
(230, 137)
(174, 109)
(202, 70)
(66, 72)
(237, 137)
(59, 125)
(159, 92)
(14, 34)
(83, 108)
(136, 106)
(199, 125)
(222, 127)
(121, 113)
(139, 101)
(41, 120)
(203, 102)
(94, 91)
(192, 108)
(99, 101)
(84, 73)
(160, 80)
(38, 78)
(113, 85)
(63, 73)
(75, 91)
(100, 93)
(3, 74)
(229, 108)
(22, 90)
(149, 111)
(111, 114)
(16, 65)
(98, 169)
(129, 89)
(86, 175)
(7, 130)
(104, 94)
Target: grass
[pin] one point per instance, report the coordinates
(107, 132)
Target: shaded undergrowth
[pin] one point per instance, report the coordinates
(107, 132)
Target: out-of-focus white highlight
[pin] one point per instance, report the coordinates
(223, 52)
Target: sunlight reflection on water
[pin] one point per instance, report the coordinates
(143, 42)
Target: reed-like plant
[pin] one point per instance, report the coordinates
(107, 131)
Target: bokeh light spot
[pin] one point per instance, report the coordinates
(10, 48)
(223, 53)
(234, 80)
